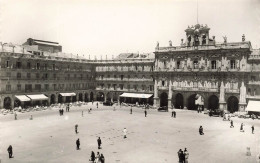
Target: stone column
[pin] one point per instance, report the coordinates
(242, 98)
(155, 98)
(222, 101)
(83, 96)
(1, 103)
(56, 98)
(105, 97)
(170, 95)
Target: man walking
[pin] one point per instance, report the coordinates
(10, 151)
(99, 143)
(253, 129)
(131, 110)
(179, 155)
(201, 130)
(174, 114)
(97, 104)
(231, 124)
(76, 128)
(145, 113)
(186, 154)
(78, 143)
(125, 132)
(242, 128)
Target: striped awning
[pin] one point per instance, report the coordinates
(136, 95)
(68, 94)
(38, 97)
(22, 98)
(253, 106)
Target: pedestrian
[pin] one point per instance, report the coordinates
(76, 128)
(97, 157)
(131, 110)
(228, 117)
(145, 113)
(182, 157)
(89, 110)
(186, 154)
(62, 111)
(78, 144)
(198, 109)
(92, 157)
(253, 129)
(179, 155)
(201, 130)
(174, 114)
(10, 151)
(82, 113)
(242, 128)
(15, 116)
(68, 107)
(97, 104)
(99, 143)
(231, 124)
(125, 132)
(102, 158)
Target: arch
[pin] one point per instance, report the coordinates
(178, 101)
(100, 96)
(86, 97)
(91, 96)
(109, 96)
(194, 101)
(232, 104)
(7, 103)
(213, 102)
(52, 99)
(60, 98)
(164, 99)
(80, 97)
(74, 98)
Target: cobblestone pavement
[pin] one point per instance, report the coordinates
(156, 138)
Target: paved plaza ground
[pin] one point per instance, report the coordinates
(157, 138)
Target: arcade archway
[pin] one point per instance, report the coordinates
(164, 99)
(59, 98)
(86, 97)
(213, 102)
(52, 99)
(7, 103)
(178, 101)
(194, 101)
(100, 96)
(74, 98)
(80, 97)
(91, 96)
(232, 104)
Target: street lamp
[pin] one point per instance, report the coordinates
(2, 44)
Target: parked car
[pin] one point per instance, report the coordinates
(216, 113)
(108, 103)
(163, 108)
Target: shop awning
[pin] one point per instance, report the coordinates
(22, 98)
(135, 95)
(38, 97)
(68, 94)
(253, 106)
(199, 100)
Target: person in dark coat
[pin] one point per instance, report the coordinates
(78, 144)
(145, 113)
(10, 151)
(242, 128)
(201, 130)
(102, 158)
(92, 157)
(179, 154)
(76, 128)
(99, 143)
(131, 110)
(253, 129)
(231, 124)
(97, 104)
(182, 157)
(174, 114)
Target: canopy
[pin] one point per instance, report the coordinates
(253, 106)
(199, 100)
(22, 98)
(68, 94)
(38, 97)
(134, 95)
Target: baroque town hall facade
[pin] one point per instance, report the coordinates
(222, 75)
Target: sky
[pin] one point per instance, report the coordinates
(110, 27)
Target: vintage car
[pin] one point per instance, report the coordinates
(108, 103)
(163, 108)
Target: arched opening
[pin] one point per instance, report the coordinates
(115, 97)
(213, 102)
(178, 101)
(86, 97)
(194, 101)
(100, 96)
(108, 96)
(52, 99)
(7, 103)
(80, 97)
(74, 98)
(91, 96)
(68, 99)
(232, 104)
(164, 99)
(60, 98)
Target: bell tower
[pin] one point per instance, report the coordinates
(197, 35)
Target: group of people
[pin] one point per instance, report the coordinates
(61, 111)
(98, 158)
(183, 155)
(242, 127)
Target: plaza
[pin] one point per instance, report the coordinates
(156, 138)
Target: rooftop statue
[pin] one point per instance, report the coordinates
(225, 39)
(157, 46)
(243, 38)
(170, 43)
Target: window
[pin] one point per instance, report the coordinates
(143, 77)
(136, 68)
(53, 66)
(68, 76)
(108, 76)
(75, 76)
(38, 87)
(45, 66)
(178, 64)
(108, 86)
(128, 87)
(122, 77)
(19, 88)
(102, 85)
(28, 65)
(68, 68)
(54, 87)
(232, 64)
(28, 75)
(253, 78)
(81, 76)
(102, 76)
(163, 83)
(54, 76)
(135, 87)
(28, 88)
(213, 64)
(151, 87)
(19, 75)
(143, 87)
(45, 76)
(114, 85)
(115, 76)
(249, 91)
(128, 76)
(46, 87)
(143, 68)
(8, 87)
(37, 75)
(164, 64)
(195, 64)
(18, 65)
(121, 86)
(37, 66)
(7, 64)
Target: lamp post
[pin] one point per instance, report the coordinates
(2, 44)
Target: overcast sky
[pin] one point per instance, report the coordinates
(110, 27)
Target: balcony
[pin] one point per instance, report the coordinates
(252, 82)
(163, 88)
(197, 89)
(229, 90)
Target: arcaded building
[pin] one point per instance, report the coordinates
(223, 75)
